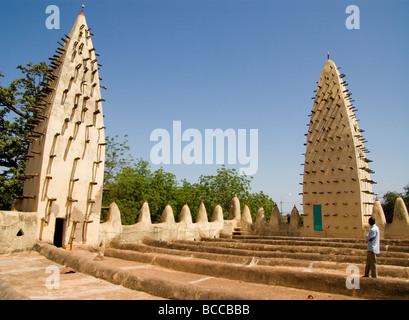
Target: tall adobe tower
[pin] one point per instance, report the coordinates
(65, 161)
(337, 188)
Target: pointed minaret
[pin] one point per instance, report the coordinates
(337, 188)
(64, 173)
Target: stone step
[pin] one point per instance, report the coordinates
(384, 270)
(294, 277)
(162, 281)
(237, 231)
(399, 242)
(298, 248)
(329, 243)
(357, 256)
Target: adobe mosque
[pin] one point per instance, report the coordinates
(63, 185)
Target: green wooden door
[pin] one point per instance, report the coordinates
(317, 217)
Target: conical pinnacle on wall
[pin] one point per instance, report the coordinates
(400, 212)
(202, 215)
(217, 213)
(167, 215)
(378, 214)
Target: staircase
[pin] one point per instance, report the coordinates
(246, 267)
(237, 231)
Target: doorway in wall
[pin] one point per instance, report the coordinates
(59, 232)
(317, 211)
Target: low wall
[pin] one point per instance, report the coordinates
(168, 228)
(18, 231)
(239, 221)
(275, 226)
(185, 229)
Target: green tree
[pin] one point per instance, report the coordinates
(127, 190)
(389, 199)
(222, 187)
(388, 204)
(18, 111)
(136, 183)
(256, 200)
(116, 157)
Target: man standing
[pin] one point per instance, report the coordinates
(373, 249)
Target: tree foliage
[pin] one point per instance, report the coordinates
(116, 157)
(389, 199)
(18, 111)
(130, 182)
(133, 183)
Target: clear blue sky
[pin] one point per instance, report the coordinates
(235, 64)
